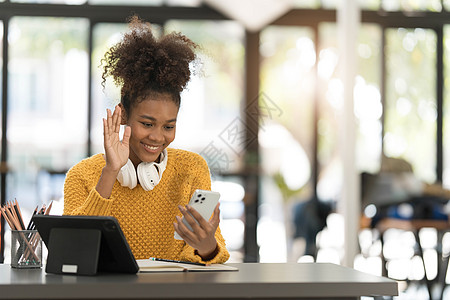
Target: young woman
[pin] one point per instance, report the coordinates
(138, 180)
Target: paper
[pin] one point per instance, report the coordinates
(148, 266)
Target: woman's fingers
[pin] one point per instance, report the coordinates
(188, 217)
(195, 214)
(109, 120)
(126, 136)
(105, 132)
(112, 124)
(183, 230)
(199, 225)
(116, 119)
(215, 220)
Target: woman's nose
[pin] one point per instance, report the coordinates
(156, 135)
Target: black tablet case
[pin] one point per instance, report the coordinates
(85, 245)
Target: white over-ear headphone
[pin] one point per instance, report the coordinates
(149, 173)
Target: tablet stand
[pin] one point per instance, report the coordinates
(73, 251)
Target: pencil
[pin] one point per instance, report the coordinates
(47, 211)
(31, 224)
(3, 211)
(42, 210)
(12, 219)
(178, 261)
(19, 215)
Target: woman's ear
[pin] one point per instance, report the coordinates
(124, 117)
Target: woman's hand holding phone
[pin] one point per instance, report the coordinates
(197, 227)
(202, 237)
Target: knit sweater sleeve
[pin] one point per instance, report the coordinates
(80, 195)
(201, 180)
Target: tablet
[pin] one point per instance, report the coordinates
(85, 245)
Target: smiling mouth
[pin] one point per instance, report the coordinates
(151, 148)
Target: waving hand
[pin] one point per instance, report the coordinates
(116, 151)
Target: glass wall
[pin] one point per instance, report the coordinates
(367, 102)
(286, 134)
(47, 105)
(71, 2)
(289, 80)
(1, 93)
(368, 113)
(126, 2)
(211, 103)
(105, 35)
(446, 125)
(411, 5)
(1, 67)
(410, 108)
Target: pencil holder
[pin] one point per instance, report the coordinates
(26, 249)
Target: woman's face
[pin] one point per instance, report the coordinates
(152, 123)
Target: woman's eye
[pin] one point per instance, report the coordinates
(170, 127)
(147, 124)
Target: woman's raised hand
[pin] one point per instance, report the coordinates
(116, 151)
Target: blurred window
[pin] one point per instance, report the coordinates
(1, 85)
(446, 125)
(410, 108)
(47, 102)
(127, 2)
(105, 35)
(209, 121)
(306, 4)
(367, 103)
(412, 5)
(388, 5)
(70, 2)
(287, 104)
(286, 134)
(232, 224)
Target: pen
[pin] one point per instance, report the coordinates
(178, 261)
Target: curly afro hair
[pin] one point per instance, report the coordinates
(143, 65)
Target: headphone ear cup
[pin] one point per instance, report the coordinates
(127, 175)
(148, 175)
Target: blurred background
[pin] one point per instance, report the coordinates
(262, 109)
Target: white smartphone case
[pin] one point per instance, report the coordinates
(204, 202)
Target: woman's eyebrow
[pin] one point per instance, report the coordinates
(154, 119)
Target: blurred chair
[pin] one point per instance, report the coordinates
(309, 219)
(404, 202)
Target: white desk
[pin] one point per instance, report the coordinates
(252, 281)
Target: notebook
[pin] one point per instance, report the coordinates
(150, 266)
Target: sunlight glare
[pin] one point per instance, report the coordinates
(328, 60)
(403, 106)
(367, 101)
(307, 56)
(335, 93)
(395, 145)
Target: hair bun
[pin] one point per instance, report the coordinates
(141, 63)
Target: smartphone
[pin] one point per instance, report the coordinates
(204, 202)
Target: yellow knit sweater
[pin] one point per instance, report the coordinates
(146, 217)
